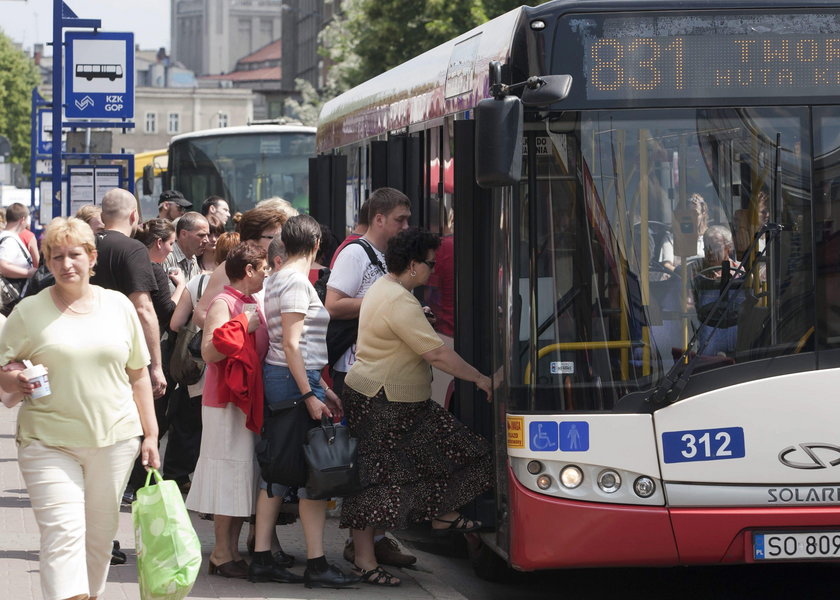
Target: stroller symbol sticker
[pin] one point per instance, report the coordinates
(543, 436)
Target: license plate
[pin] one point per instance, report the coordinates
(793, 546)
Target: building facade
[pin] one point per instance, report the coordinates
(209, 36)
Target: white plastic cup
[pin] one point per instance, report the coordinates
(37, 376)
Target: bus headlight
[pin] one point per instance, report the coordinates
(543, 482)
(534, 467)
(571, 477)
(644, 487)
(609, 481)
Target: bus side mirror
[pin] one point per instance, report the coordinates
(548, 90)
(148, 180)
(498, 141)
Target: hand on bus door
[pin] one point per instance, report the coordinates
(485, 384)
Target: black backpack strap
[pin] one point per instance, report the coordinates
(201, 281)
(374, 260)
(22, 248)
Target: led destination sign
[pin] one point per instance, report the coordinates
(706, 57)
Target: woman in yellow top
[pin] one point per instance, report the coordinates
(418, 463)
(76, 444)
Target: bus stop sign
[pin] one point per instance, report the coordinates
(99, 75)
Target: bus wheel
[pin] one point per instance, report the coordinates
(488, 565)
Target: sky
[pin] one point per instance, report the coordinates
(30, 21)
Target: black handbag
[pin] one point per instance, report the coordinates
(331, 460)
(280, 449)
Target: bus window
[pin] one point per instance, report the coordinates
(618, 196)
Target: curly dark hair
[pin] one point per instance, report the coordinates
(410, 245)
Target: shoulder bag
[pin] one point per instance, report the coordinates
(330, 453)
(186, 365)
(342, 333)
(280, 449)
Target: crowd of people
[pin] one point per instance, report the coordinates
(104, 322)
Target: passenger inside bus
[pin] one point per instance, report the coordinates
(718, 316)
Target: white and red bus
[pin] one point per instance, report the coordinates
(652, 269)
(243, 165)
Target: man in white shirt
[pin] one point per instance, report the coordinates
(15, 261)
(352, 275)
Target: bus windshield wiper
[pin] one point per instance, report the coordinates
(672, 385)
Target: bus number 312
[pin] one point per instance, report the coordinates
(692, 444)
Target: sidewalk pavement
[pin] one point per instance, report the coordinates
(19, 542)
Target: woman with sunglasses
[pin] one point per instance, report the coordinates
(416, 461)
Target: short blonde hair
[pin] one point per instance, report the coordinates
(88, 212)
(70, 231)
(280, 204)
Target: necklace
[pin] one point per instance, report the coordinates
(70, 308)
(395, 280)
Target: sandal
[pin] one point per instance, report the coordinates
(377, 576)
(461, 524)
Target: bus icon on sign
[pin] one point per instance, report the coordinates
(90, 72)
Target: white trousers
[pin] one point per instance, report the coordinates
(76, 493)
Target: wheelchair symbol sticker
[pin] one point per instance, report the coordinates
(543, 436)
(574, 436)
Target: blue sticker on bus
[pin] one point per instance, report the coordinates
(543, 436)
(703, 444)
(758, 546)
(574, 436)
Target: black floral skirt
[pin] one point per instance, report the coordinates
(416, 462)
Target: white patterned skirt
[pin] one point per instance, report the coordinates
(227, 475)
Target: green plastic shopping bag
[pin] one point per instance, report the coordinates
(168, 550)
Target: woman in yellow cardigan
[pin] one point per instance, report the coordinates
(417, 462)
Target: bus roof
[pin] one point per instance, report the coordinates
(243, 129)
(447, 79)
(453, 77)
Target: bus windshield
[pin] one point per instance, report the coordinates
(641, 219)
(244, 168)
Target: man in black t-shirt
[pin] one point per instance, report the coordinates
(123, 264)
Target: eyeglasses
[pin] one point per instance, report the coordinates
(430, 263)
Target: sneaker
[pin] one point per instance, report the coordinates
(387, 552)
(129, 496)
(118, 557)
(331, 577)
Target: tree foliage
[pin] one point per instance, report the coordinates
(18, 75)
(372, 36)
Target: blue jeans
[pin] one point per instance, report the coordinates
(282, 391)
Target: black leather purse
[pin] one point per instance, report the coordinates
(330, 455)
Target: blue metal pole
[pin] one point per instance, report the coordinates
(33, 150)
(57, 102)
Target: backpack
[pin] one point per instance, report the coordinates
(320, 284)
(185, 367)
(342, 333)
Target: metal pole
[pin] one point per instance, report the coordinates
(33, 151)
(57, 104)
